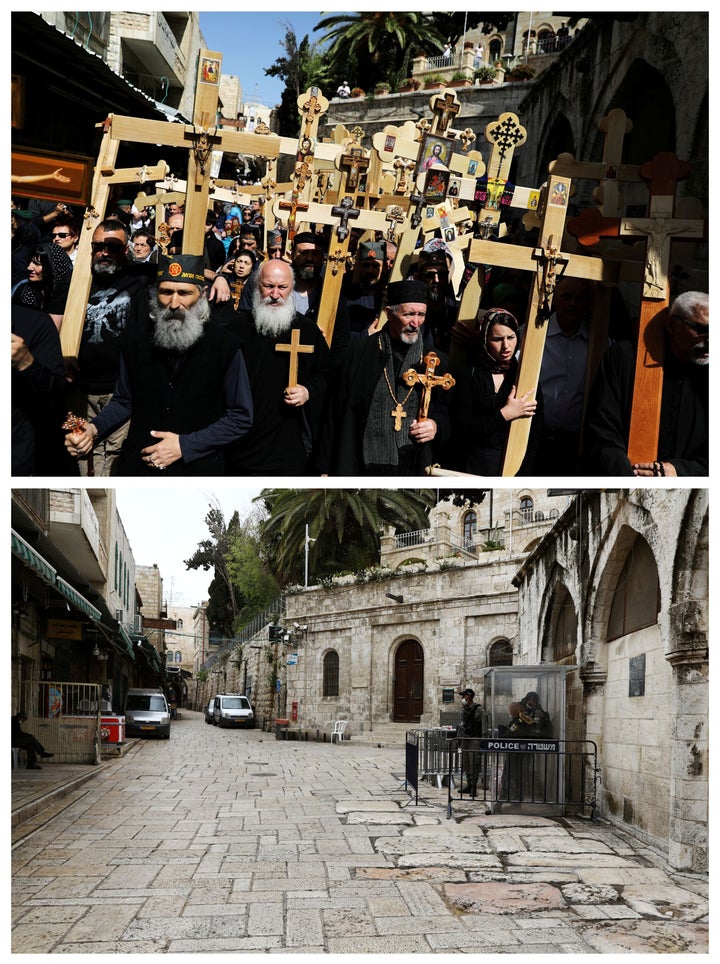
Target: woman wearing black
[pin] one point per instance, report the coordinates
(485, 401)
(47, 283)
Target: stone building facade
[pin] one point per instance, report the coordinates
(618, 590)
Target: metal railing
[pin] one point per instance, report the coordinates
(519, 773)
(65, 718)
(500, 774)
(431, 753)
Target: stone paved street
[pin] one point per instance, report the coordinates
(233, 841)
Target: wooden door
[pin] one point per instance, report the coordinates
(408, 699)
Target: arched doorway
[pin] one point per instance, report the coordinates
(409, 672)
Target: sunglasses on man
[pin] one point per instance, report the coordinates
(112, 246)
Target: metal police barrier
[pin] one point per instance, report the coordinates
(517, 773)
(65, 718)
(428, 754)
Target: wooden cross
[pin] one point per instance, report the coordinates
(546, 261)
(344, 211)
(610, 172)
(428, 381)
(660, 228)
(292, 207)
(505, 134)
(295, 349)
(351, 165)
(445, 108)
(198, 138)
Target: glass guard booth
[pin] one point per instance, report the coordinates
(525, 708)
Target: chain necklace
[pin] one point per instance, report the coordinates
(398, 413)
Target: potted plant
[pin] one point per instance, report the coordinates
(459, 79)
(410, 83)
(485, 74)
(521, 72)
(357, 92)
(434, 80)
(382, 89)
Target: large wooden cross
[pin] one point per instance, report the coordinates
(294, 349)
(199, 138)
(311, 106)
(546, 262)
(660, 228)
(428, 381)
(610, 172)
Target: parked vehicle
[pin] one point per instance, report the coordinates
(231, 709)
(146, 713)
(209, 718)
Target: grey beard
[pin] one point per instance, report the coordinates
(307, 273)
(178, 331)
(271, 320)
(105, 269)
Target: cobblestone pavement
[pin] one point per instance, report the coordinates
(221, 841)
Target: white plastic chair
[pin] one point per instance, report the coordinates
(338, 730)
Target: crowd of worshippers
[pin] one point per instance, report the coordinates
(215, 364)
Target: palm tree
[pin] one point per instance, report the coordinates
(379, 46)
(344, 525)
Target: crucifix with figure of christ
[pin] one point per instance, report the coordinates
(660, 228)
(428, 380)
(294, 349)
(200, 139)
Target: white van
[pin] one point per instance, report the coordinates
(231, 709)
(146, 713)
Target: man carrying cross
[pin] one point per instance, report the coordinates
(182, 388)
(373, 425)
(683, 439)
(288, 363)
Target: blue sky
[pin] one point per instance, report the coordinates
(250, 42)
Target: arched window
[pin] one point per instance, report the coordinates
(170, 656)
(636, 602)
(526, 510)
(469, 528)
(331, 674)
(179, 624)
(495, 50)
(178, 657)
(500, 653)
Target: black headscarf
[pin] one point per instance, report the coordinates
(495, 316)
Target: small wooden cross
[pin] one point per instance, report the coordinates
(352, 164)
(445, 107)
(344, 210)
(428, 381)
(295, 348)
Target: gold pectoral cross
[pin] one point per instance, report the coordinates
(398, 413)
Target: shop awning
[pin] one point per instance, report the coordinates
(124, 643)
(79, 601)
(24, 551)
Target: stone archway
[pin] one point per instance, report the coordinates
(408, 686)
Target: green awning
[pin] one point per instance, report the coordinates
(124, 641)
(79, 601)
(30, 557)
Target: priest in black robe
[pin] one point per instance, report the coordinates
(281, 441)
(372, 425)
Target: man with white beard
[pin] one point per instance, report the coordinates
(281, 439)
(182, 387)
(372, 426)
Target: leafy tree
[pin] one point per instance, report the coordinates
(303, 65)
(344, 524)
(210, 554)
(254, 585)
(377, 46)
(451, 26)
